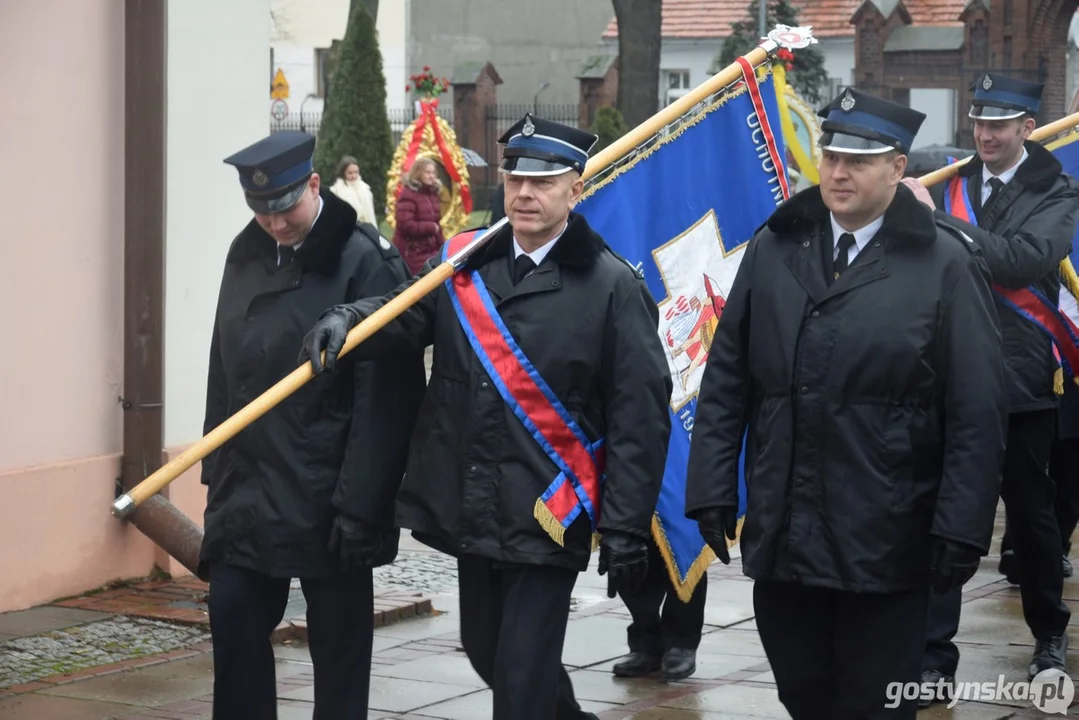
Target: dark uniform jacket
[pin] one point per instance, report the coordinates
(1024, 235)
(588, 324)
(340, 442)
(874, 406)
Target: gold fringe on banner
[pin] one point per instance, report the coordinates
(685, 589)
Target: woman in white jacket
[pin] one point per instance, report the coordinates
(352, 189)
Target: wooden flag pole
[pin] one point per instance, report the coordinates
(126, 504)
(1040, 135)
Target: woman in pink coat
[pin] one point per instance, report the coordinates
(418, 234)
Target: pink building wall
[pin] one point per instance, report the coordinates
(61, 180)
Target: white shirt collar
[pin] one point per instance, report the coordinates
(298, 245)
(1007, 175)
(862, 236)
(539, 253)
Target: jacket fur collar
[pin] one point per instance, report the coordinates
(907, 222)
(579, 247)
(1040, 170)
(321, 250)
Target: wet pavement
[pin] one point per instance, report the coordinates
(419, 672)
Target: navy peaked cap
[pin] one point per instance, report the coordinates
(274, 171)
(534, 146)
(860, 123)
(999, 97)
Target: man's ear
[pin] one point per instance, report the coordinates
(899, 167)
(315, 182)
(1028, 127)
(575, 190)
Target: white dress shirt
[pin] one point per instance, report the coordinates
(1005, 177)
(539, 253)
(862, 236)
(297, 246)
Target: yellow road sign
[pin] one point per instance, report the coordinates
(279, 90)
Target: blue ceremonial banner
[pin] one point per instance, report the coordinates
(1066, 150)
(682, 211)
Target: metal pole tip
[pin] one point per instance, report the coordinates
(123, 506)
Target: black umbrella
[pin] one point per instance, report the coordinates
(933, 157)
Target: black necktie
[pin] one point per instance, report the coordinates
(996, 184)
(285, 254)
(521, 267)
(846, 242)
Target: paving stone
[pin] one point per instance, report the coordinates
(419, 571)
(172, 682)
(71, 649)
(44, 619)
(44, 707)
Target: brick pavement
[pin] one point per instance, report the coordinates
(419, 674)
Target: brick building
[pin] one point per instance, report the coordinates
(906, 44)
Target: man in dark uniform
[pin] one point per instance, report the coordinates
(545, 421)
(1019, 208)
(665, 642)
(859, 349)
(307, 490)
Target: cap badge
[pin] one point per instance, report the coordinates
(847, 103)
(259, 178)
(528, 128)
(987, 82)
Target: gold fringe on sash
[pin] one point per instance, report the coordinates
(549, 522)
(552, 527)
(1058, 381)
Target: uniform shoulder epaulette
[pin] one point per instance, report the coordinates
(966, 240)
(633, 268)
(372, 234)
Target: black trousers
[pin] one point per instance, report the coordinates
(513, 627)
(835, 653)
(1064, 471)
(1034, 533)
(245, 607)
(681, 623)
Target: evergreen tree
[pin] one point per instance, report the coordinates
(354, 120)
(609, 126)
(808, 76)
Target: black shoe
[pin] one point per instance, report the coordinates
(678, 663)
(636, 664)
(1007, 567)
(1049, 654)
(1067, 567)
(943, 688)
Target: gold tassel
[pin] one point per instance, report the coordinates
(549, 522)
(1058, 381)
(685, 590)
(596, 537)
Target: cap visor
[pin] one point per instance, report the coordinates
(844, 143)
(275, 204)
(991, 112)
(531, 167)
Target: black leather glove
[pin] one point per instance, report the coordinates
(329, 334)
(952, 564)
(623, 558)
(355, 542)
(717, 525)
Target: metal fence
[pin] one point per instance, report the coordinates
(400, 119)
(498, 119)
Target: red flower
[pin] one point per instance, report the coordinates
(408, 88)
(427, 68)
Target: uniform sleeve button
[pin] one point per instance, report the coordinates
(816, 313)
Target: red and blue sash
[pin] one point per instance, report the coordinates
(1029, 302)
(581, 462)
